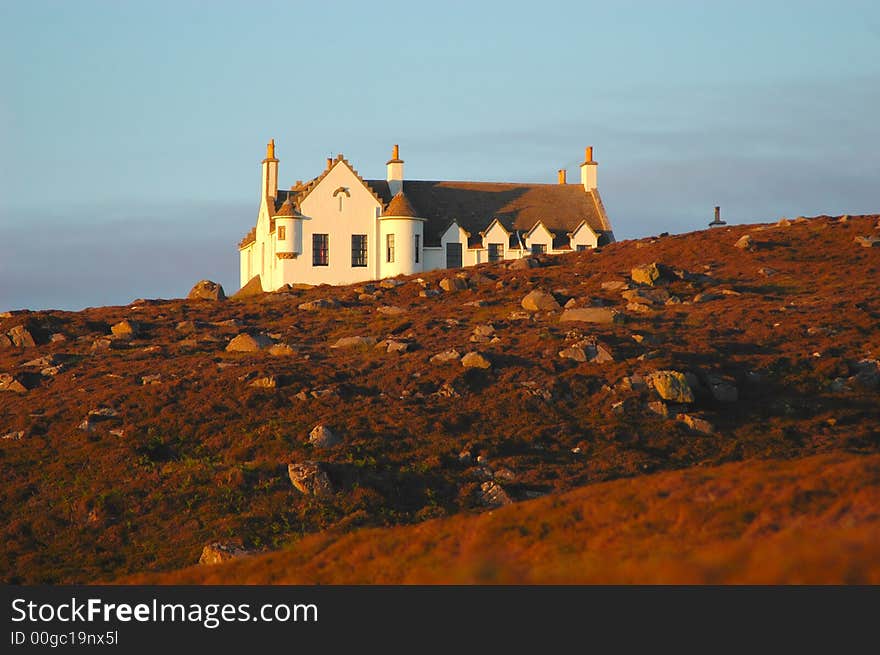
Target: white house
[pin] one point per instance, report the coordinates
(339, 228)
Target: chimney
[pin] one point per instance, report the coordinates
(561, 173)
(269, 187)
(394, 167)
(717, 221)
(589, 170)
(329, 162)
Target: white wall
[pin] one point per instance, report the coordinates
(404, 231)
(540, 235)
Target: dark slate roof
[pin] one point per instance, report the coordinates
(473, 205)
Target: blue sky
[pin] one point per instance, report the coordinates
(131, 133)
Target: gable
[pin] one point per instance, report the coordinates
(561, 207)
(340, 183)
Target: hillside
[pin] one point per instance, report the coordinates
(131, 436)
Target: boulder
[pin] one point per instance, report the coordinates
(539, 300)
(351, 342)
(391, 283)
(391, 310)
(574, 352)
(523, 264)
(21, 337)
(723, 389)
(745, 242)
(281, 350)
(453, 284)
(671, 386)
(219, 551)
(248, 343)
(650, 296)
(492, 494)
(659, 408)
(589, 315)
(11, 383)
(206, 290)
(253, 287)
(267, 382)
(445, 356)
(125, 329)
(615, 285)
(322, 437)
(475, 360)
(646, 274)
(868, 242)
(5, 342)
(321, 303)
(13, 436)
(400, 347)
(310, 478)
(696, 423)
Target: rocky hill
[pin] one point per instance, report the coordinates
(700, 407)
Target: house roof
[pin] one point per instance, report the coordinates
(473, 205)
(400, 206)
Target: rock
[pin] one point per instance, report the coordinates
(866, 372)
(646, 274)
(351, 342)
(706, 297)
(391, 283)
(602, 315)
(321, 303)
(504, 474)
(397, 346)
(523, 264)
(219, 551)
(453, 284)
(638, 308)
(101, 344)
(745, 242)
(574, 352)
(519, 316)
(671, 386)
(267, 382)
(281, 350)
(615, 285)
(391, 310)
(475, 360)
(153, 378)
(445, 356)
(429, 293)
(125, 329)
(600, 353)
(696, 423)
(248, 343)
(253, 287)
(186, 327)
(659, 408)
(868, 242)
(11, 383)
(12, 436)
(651, 296)
(310, 478)
(322, 437)
(492, 494)
(539, 300)
(21, 337)
(206, 290)
(767, 272)
(5, 342)
(485, 330)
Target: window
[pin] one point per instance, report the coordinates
(496, 252)
(282, 233)
(453, 255)
(359, 250)
(389, 248)
(539, 248)
(418, 243)
(582, 246)
(320, 249)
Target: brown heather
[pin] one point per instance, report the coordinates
(783, 488)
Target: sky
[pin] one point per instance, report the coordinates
(131, 134)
